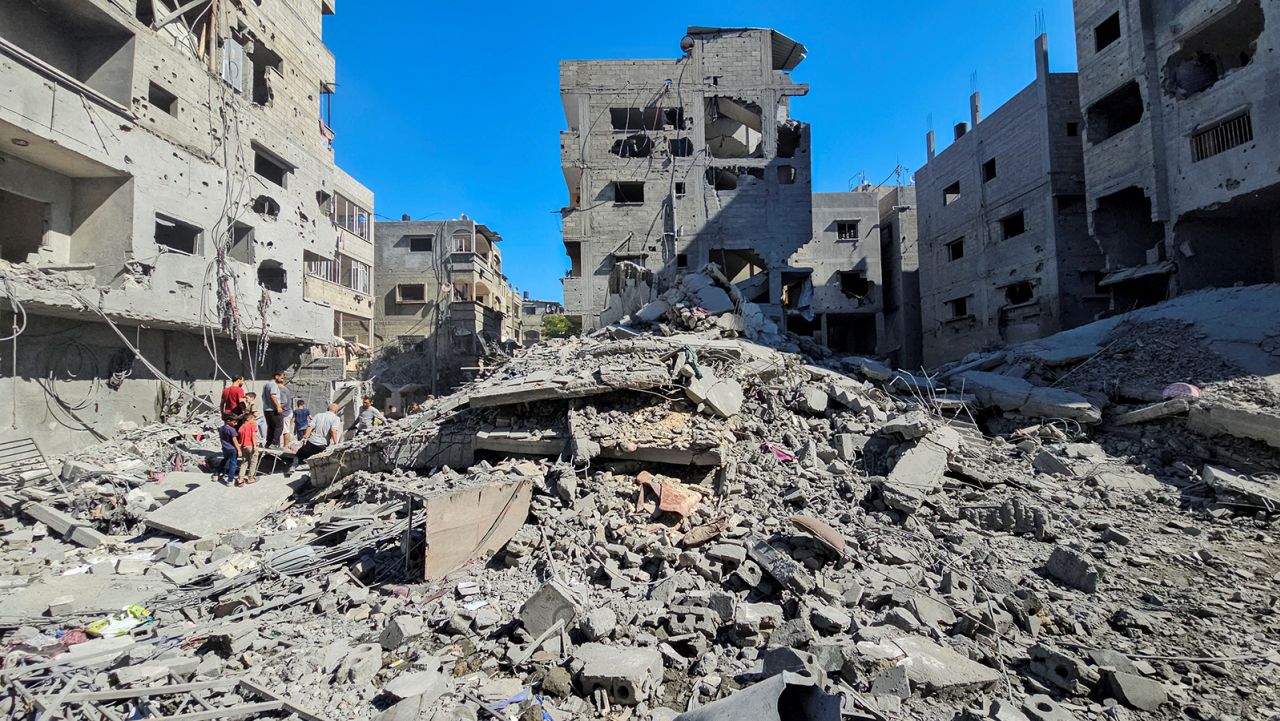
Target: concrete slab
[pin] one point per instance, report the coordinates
(934, 668)
(87, 593)
(214, 509)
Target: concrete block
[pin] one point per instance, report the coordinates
(933, 668)
(1238, 421)
(1136, 691)
(1152, 412)
(553, 602)
(627, 675)
(400, 629)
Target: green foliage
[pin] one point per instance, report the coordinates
(556, 326)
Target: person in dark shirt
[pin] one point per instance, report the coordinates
(393, 414)
(301, 420)
(229, 436)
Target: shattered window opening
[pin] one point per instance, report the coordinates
(411, 293)
(176, 235)
(266, 205)
(854, 284)
(421, 243)
(955, 249)
(951, 193)
(1120, 110)
(1225, 45)
(786, 174)
(1106, 32)
(270, 168)
(1073, 130)
(680, 190)
(633, 146)
(734, 128)
(162, 99)
(789, 135)
(272, 276)
(680, 147)
(1013, 225)
(989, 171)
(22, 231)
(958, 307)
(1019, 293)
(628, 192)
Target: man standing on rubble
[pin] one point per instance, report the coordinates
(233, 398)
(368, 417)
(321, 434)
(273, 408)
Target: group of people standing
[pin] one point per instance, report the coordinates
(247, 428)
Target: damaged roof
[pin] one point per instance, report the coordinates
(787, 53)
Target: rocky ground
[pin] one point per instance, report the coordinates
(687, 517)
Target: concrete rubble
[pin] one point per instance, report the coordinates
(666, 519)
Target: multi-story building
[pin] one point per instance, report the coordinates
(163, 173)
(532, 313)
(1005, 253)
(1182, 142)
(441, 294)
(671, 164)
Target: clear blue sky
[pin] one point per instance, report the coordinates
(450, 108)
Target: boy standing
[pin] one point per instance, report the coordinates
(248, 436)
(301, 420)
(230, 439)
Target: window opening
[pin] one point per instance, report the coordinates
(1118, 111)
(241, 242)
(989, 171)
(1019, 293)
(786, 174)
(951, 193)
(958, 308)
(272, 276)
(269, 168)
(955, 249)
(628, 193)
(176, 235)
(1013, 225)
(854, 284)
(1221, 137)
(420, 243)
(411, 293)
(1107, 32)
(847, 230)
(162, 99)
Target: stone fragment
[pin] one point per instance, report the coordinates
(779, 565)
(829, 618)
(599, 623)
(400, 629)
(933, 668)
(909, 426)
(1136, 691)
(812, 399)
(1074, 569)
(429, 685)
(550, 603)
(1040, 707)
(627, 675)
(1152, 412)
(1013, 516)
(360, 664)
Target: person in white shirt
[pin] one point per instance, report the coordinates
(322, 434)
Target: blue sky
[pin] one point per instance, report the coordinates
(451, 108)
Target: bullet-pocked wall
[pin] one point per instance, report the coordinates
(673, 163)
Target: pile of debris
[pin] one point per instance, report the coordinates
(659, 523)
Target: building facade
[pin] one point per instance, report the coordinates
(441, 295)
(1005, 254)
(671, 164)
(163, 174)
(532, 313)
(1182, 137)
(900, 277)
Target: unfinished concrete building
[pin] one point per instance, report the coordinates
(164, 169)
(1005, 254)
(1182, 142)
(442, 296)
(674, 163)
(532, 313)
(900, 277)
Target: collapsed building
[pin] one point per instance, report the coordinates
(671, 164)
(164, 172)
(1181, 140)
(444, 308)
(681, 518)
(1005, 252)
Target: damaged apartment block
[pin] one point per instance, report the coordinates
(1005, 254)
(144, 268)
(673, 165)
(1182, 132)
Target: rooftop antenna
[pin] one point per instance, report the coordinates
(1041, 26)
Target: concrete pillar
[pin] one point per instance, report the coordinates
(929, 144)
(975, 109)
(1042, 57)
(960, 130)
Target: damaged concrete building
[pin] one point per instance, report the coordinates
(442, 298)
(846, 278)
(671, 164)
(165, 168)
(1182, 133)
(1005, 253)
(532, 313)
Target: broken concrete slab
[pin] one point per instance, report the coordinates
(933, 668)
(468, 523)
(764, 701)
(1174, 407)
(552, 603)
(920, 471)
(1017, 395)
(1241, 489)
(1137, 691)
(87, 592)
(214, 509)
(722, 395)
(1074, 569)
(1215, 419)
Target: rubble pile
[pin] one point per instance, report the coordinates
(659, 523)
